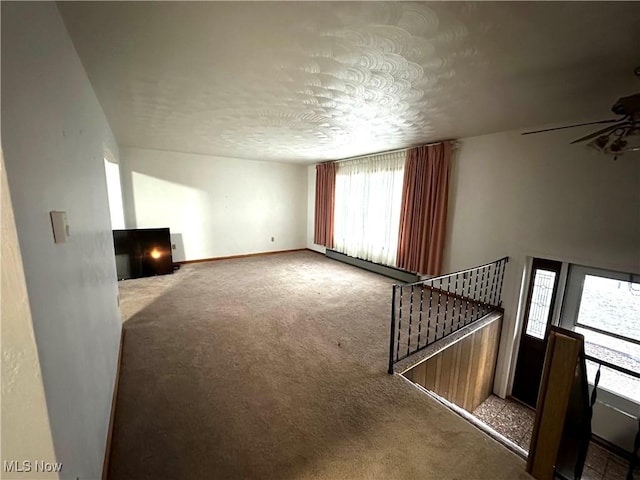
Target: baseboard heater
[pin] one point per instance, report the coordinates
(391, 272)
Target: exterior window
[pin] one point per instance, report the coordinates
(610, 306)
(605, 308)
(367, 207)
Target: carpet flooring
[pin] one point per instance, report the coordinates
(274, 367)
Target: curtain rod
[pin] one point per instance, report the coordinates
(454, 144)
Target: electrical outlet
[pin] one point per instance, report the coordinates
(173, 246)
(273, 239)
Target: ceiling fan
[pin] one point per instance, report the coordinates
(623, 135)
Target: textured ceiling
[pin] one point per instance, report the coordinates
(310, 81)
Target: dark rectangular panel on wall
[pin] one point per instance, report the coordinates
(142, 252)
(463, 372)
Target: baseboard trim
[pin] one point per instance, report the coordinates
(315, 251)
(112, 415)
(215, 259)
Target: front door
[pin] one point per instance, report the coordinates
(541, 297)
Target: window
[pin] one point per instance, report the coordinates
(541, 301)
(367, 207)
(604, 306)
(610, 306)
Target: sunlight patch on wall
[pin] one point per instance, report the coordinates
(114, 192)
(159, 203)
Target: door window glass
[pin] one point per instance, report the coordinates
(541, 299)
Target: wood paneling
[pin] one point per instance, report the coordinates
(555, 389)
(463, 372)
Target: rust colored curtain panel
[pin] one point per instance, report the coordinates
(423, 218)
(325, 200)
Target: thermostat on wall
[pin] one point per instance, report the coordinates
(60, 226)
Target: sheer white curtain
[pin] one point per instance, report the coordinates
(367, 207)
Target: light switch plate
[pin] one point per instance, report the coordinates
(60, 226)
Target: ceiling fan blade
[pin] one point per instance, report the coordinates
(572, 126)
(600, 132)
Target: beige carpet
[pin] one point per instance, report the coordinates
(275, 367)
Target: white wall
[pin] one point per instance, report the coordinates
(25, 433)
(311, 209)
(54, 137)
(539, 196)
(215, 206)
